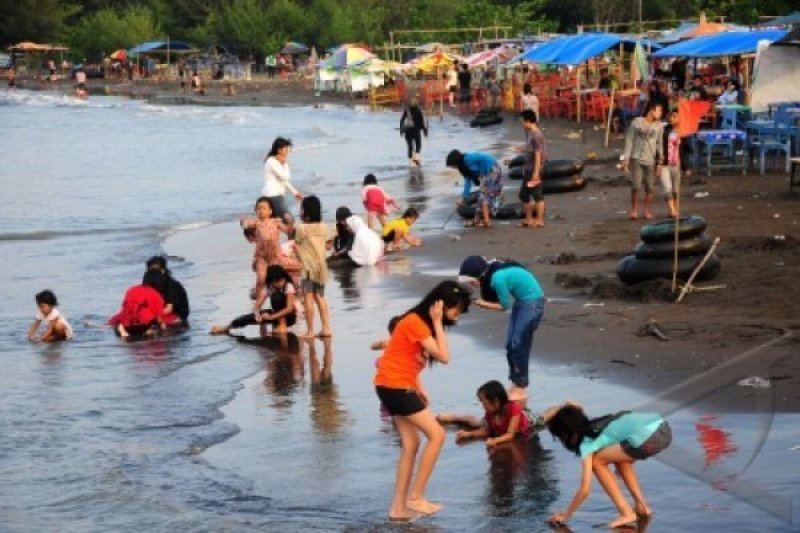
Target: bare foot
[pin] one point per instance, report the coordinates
(219, 330)
(445, 418)
(122, 331)
(308, 335)
(425, 507)
(325, 333)
(626, 520)
(649, 216)
(634, 216)
(406, 515)
(538, 224)
(643, 511)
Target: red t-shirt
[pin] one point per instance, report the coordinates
(498, 423)
(402, 360)
(141, 306)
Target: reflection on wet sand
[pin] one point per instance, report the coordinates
(415, 190)
(522, 479)
(284, 367)
(345, 276)
(327, 414)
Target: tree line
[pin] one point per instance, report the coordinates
(255, 28)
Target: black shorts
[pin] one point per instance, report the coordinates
(400, 402)
(389, 237)
(658, 441)
(526, 194)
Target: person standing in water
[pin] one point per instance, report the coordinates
(412, 124)
(500, 281)
(277, 178)
(418, 338)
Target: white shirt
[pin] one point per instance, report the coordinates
(54, 317)
(367, 246)
(531, 101)
(276, 178)
(452, 78)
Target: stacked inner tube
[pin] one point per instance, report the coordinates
(653, 256)
(486, 117)
(558, 175)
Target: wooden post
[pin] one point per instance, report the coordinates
(610, 115)
(578, 93)
(677, 226)
(391, 44)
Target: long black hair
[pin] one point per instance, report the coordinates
(455, 159)
(276, 273)
(570, 425)
(278, 144)
(154, 279)
(451, 293)
(494, 392)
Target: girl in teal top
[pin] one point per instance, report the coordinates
(620, 439)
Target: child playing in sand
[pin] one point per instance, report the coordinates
(399, 230)
(281, 315)
(503, 421)
(58, 329)
(620, 439)
(310, 237)
(376, 201)
(267, 241)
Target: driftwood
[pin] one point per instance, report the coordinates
(652, 328)
(688, 286)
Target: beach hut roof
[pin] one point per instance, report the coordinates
(29, 46)
(790, 39)
(577, 49)
(721, 44)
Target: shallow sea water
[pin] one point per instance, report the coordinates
(200, 433)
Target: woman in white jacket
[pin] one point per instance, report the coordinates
(367, 247)
(277, 179)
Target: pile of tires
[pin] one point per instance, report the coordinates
(653, 256)
(558, 175)
(486, 117)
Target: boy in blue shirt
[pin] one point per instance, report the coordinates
(500, 282)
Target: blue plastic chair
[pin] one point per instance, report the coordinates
(775, 140)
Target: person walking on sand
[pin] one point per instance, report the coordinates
(483, 170)
(670, 175)
(531, 193)
(500, 281)
(418, 338)
(412, 124)
(311, 235)
(277, 178)
(643, 156)
(620, 439)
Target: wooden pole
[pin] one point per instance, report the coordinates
(687, 287)
(610, 114)
(677, 225)
(578, 92)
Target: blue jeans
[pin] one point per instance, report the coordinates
(525, 317)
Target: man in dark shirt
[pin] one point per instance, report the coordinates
(698, 90)
(464, 89)
(174, 293)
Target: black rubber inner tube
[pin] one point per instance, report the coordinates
(517, 161)
(631, 270)
(505, 212)
(515, 173)
(563, 184)
(697, 245)
(485, 120)
(557, 168)
(665, 230)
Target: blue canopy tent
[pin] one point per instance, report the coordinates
(155, 47)
(721, 44)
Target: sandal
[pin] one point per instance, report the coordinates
(525, 225)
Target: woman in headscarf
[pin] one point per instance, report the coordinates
(412, 123)
(367, 247)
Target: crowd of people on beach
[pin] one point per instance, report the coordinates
(291, 274)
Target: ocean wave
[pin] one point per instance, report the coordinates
(44, 235)
(49, 99)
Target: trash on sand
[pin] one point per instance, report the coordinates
(779, 237)
(738, 207)
(776, 215)
(700, 194)
(573, 135)
(754, 381)
(652, 328)
(594, 304)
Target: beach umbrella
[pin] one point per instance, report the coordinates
(294, 48)
(436, 61)
(500, 54)
(347, 56)
(119, 55)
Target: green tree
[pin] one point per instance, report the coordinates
(34, 20)
(106, 30)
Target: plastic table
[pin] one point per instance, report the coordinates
(733, 140)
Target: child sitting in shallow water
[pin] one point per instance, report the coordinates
(503, 421)
(58, 329)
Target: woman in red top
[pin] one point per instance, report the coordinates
(142, 308)
(418, 338)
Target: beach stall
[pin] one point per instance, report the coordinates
(32, 52)
(166, 48)
(573, 98)
(346, 70)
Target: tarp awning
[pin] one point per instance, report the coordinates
(794, 18)
(160, 46)
(577, 49)
(721, 44)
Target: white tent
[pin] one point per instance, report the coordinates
(777, 74)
